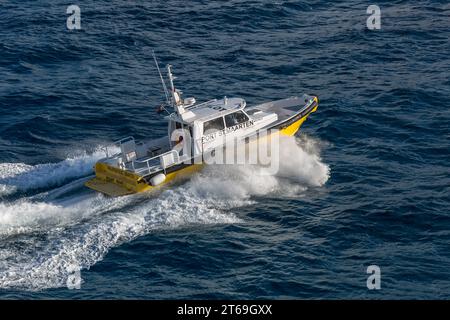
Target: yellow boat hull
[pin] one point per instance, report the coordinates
(294, 127)
(115, 182)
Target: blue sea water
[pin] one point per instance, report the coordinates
(365, 182)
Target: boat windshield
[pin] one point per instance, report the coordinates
(235, 118)
(214, 125)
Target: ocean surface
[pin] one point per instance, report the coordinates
(365, 182)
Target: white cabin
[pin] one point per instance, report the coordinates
(213, 123)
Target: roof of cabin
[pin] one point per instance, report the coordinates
(211, 109)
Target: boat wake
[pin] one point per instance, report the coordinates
(47, 235)
(20, 177)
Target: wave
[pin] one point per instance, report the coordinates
(44, 241)
(26, 217)
(48, 263)
(20, 177)
(298, 167)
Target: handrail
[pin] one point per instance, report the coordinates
(147, 160)
(200, 104)
(157, 156)
(105, 149)
(120, 140)
(115, 143)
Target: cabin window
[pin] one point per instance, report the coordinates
(214, 125)
(235, 118)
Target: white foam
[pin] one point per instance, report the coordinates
(299, 167)
(22, 177)
(301, 162)
(78, 233)
(25, 216)
(9, 170)
(48, 265)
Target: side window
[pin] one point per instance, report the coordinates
(235, 118)
(214, 125)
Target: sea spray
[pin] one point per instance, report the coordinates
(17, 177)
(51, 236)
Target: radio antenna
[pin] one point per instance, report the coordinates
(166, 93)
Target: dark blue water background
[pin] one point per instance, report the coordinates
(371, 179)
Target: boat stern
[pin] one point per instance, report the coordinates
(115, 182)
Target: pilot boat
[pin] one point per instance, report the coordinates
(145, 165)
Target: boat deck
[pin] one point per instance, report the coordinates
(285, 108)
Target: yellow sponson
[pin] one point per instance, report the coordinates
(295, 126)
(116, 182)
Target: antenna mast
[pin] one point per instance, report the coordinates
(176, 94)
(166, 93)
